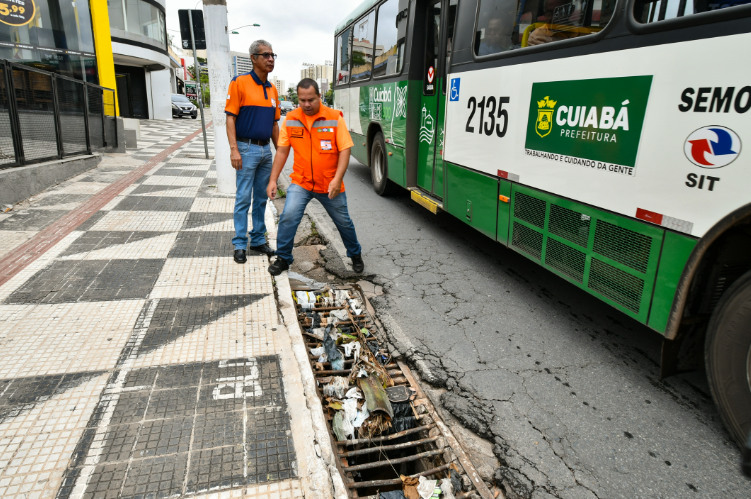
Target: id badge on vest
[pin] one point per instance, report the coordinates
(326, 145)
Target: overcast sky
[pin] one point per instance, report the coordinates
(300, 30)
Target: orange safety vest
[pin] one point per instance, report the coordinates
(316, 150)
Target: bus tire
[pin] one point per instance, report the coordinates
(379, 167)
(727, 355)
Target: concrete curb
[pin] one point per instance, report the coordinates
(319, 474)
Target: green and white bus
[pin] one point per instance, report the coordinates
(603, 139)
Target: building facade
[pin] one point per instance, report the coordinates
(281, 85)
(318, 72)
(241, 63)
(144, 71)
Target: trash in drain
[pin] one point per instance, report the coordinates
(387, 435)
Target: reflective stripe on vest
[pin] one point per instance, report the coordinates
(293, 123)
(324, 124)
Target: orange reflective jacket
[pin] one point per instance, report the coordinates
(316, 144)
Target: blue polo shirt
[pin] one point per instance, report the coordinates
(255, 104)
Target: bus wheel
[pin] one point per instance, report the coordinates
(727, 355)
(379, 167)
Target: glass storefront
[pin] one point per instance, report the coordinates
(54, 35)
(138, 21)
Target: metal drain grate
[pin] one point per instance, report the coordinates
(417, 443)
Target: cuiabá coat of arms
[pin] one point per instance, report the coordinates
(544, 123)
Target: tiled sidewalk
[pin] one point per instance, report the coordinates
(136, 358)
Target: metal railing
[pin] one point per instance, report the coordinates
(46, 116)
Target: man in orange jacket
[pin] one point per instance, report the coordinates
(319, 136)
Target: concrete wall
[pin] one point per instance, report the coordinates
(17, 184)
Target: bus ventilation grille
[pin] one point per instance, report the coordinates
(569, 224)
(527, 240)
(529, 209)
(565, 259)
(611, 258)
(622, 245)
(616, 284)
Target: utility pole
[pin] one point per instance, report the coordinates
(220, 75)
(199, 87)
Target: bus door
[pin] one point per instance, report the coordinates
(440, 24)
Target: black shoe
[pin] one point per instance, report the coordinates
(357, 264)
(240, 256)
(264, 248)
(279, 266)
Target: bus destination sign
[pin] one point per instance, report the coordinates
(594, 123)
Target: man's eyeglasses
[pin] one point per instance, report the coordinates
(267, 55)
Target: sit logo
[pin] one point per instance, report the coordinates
(544, 123)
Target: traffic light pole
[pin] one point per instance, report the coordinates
(199, 87)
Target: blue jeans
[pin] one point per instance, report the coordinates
(294, 208)
(252, 181)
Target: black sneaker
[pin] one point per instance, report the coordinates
(264, 248)
(279, 266)
(357, 264)
(240, 256)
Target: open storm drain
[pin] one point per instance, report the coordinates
(387, 435)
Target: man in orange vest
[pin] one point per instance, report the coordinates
(319, 136)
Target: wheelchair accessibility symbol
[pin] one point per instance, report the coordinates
(455, 82)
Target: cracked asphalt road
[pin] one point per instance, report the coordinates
(565, 387)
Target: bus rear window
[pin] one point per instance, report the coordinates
(650, 11)
(504, 25)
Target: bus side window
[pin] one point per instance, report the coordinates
(343, 44)
(363, 48)
(390, 37)
(650, 11)
(504, 25)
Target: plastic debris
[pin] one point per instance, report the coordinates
(306, 299)
(392, 494)
(426, 488)
(447, 488)
(352, 348)
(456, 480)
(375, 395)
(7, 208)
(356, 306)
(335, 357)
(362, 373)
(353, 393)
(365, 332)
(399, 393)
(361, 416)
(337, 388)
(338, 425)
(340, 314)
(317, 332)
